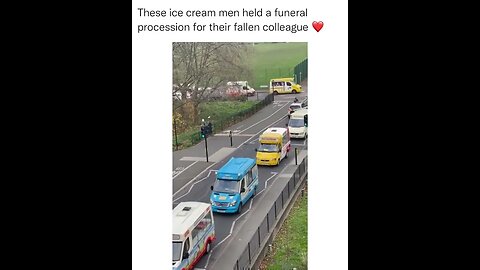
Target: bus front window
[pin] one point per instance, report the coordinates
(268, 148)
(177, 251)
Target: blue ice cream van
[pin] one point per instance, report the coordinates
(236, 182)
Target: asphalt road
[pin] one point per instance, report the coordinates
(193, 176)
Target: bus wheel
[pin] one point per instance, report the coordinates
(208, 248)
(275, 93)
(294, 91)
(239, 208)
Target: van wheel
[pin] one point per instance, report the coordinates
(254, 192)
(275, 93)
(208, 248)
(239, 208)
(278, 162)
(294, 91)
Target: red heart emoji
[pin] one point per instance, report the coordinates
(317, 25)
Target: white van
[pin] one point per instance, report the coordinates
(298, 124)
(245, 88)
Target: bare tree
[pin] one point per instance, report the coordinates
(202, 68)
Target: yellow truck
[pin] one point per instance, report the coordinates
(284, 85)
(274, 146)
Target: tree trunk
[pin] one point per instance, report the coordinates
(196, 113)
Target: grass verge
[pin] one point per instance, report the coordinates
(290, 245)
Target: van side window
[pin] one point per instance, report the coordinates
(255, 172)
(194, 234)
(249, 177)
(201, 228)
(242, 185)
(186, 247)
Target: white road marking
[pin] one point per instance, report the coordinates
(184, 169)
(233, 225)
(234, 135)
(177, 170)
(208, 258)
(194, 185)
(264, 119)
(259, 132)
(266, 182)
(193, 179)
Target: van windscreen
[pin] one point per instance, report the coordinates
(226, 186)
(268, 148)
(176, 250)
(295, 123)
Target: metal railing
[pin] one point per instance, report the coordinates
(301, 71)
(262, 236)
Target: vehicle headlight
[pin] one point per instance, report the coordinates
(233, 203)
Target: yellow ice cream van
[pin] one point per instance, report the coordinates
(284, 85)
(274, 146)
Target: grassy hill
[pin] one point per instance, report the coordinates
(273, 60)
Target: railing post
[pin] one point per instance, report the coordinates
(206, 147)
(282, 199)
(296, 163)
(268, 224)
(288, 188)
(275, 210)
(294, 180)
(258, 230)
